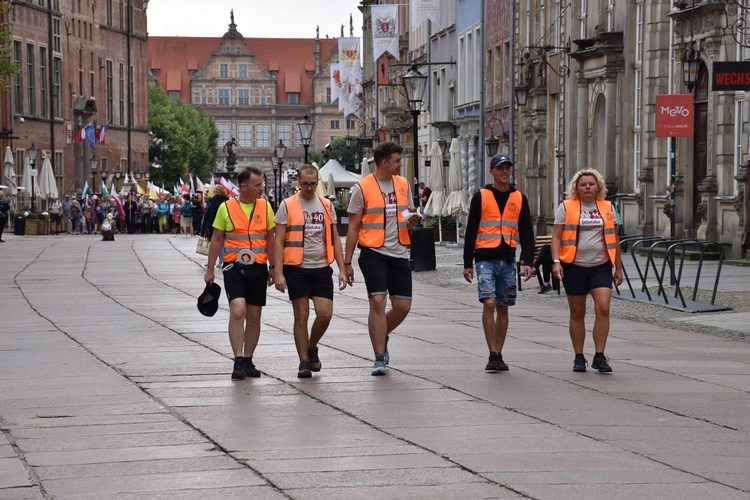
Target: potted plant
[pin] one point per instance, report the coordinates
(43, 225)
(447, 225)
(32, 222)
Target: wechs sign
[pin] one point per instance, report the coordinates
(674, 115)
(734, 75)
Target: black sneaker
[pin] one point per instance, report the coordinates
(304, 370)
(312, 355)
(600, 363)
(496, 363)
(239, 369)
(545, 289)
(250, 370)
(579, 364)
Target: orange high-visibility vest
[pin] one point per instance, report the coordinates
(569, 240)
(294, 238)
(372, 232)
(247, 233)
(494, 227)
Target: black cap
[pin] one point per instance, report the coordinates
(499, 159)
(208, 302)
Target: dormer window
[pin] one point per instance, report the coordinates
(293, 98)
(310, 74)
(155, 71)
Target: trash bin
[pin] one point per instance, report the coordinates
(423, 249)
(19, 226)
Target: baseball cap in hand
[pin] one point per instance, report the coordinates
(499, 159)
(208, 302)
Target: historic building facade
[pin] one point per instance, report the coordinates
(257, 90)
(81, 62)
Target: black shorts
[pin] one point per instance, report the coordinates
(302, 282)
(248, 282)
(384, 274)
(581, 280)
(54, 218)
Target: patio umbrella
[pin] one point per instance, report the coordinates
(434, 205)
(457, 202)
(46, 181)
(26, 179)
(368, 167)
(320, 190)
(330, 186)
(9, 173)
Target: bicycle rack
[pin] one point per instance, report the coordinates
(672, 249)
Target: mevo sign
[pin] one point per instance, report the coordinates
(732, 75)
(674, 115)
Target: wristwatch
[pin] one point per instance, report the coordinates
(555, 261)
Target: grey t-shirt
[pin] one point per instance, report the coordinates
(591, 249)
(314, 255)
(391, 247)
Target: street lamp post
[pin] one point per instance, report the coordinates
(415, 84)
(104, 176)
(305, 129)
(32, 152)
(279, 154)
(94, 165)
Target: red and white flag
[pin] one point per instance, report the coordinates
(101, 133)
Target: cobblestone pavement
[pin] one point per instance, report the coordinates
(449, 260)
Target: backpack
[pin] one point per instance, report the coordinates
(186, 209)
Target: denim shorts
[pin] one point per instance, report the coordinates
(497, 279)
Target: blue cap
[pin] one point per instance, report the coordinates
(499, 159)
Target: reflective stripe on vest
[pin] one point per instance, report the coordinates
(495, 227)
(569, 240)
(247, 233)
(294, 238)
(372, 231)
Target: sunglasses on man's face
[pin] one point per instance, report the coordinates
(308, 185)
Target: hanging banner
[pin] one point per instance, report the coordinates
(335, 82)
(384, 30)
(422, 10)
(674, 115)
(350, 76)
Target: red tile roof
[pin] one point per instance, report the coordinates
(292, 58)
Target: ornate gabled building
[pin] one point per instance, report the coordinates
(257, 90)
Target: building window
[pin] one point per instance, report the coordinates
(328, 95)
(293, 98)
(245, 135)
(223, 97)
(610, 15)
(223, 70)
(56, 38)
(30, 80)
(174, 95)
(108, 9)
(43, 96)
(243, 97)
(350, 125)
(285, 134)
(122, 14)
(110, 91)
(335, 125)
(582, 19)
(243, 71)
(262, 136)
(56, 86)
(18, 79)
(224, 134)
(121, 85)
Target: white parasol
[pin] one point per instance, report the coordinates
(46, 182)
(434, 205)
(330, 186)
(320, 190)
(9, 173)
(457, 202)
(368, 167)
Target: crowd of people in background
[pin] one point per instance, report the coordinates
(133, 214)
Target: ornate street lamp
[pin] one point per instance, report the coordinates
(94, 166)
(415, 84)
(690, 62)
(32, 152)
(138, 174)
(305, 129)
(279, 153)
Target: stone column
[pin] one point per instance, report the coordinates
(582, 134)
(472, 153)
(610, 133)
(464, 142)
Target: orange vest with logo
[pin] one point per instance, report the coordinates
(294, 239)
(494, 227)
(372, 231)
(247, 233)
(569, 240)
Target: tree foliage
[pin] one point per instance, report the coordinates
(189, 135)
(350, 157)
(7, 66)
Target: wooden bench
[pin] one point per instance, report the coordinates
(539, 242)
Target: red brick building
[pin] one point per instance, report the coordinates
(81, 61)
(257, 90)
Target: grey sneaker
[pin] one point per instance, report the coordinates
(496, 363)
(601, 363)
(387, 356)
(312, 355)
(379, 367)
(304, 370)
